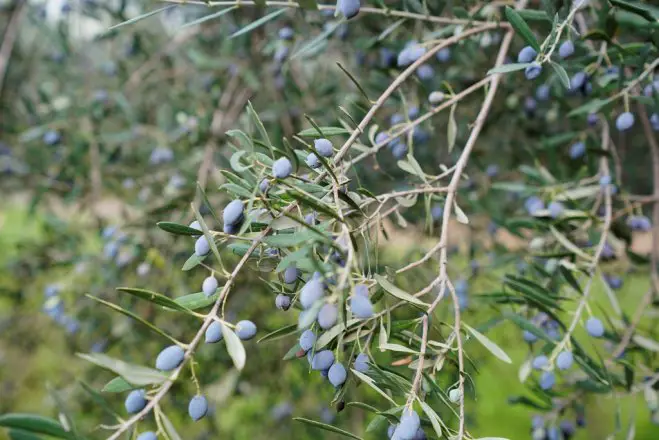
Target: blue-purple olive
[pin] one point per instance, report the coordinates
(361, 290)
(564, 360)
(436, 97)
(214, 333)
(283, 302)
(556, 209)
(425, 72)
(361, 307)
(547, 380)
(312, 161)
(327, 316)
(410, 54)
(311, 292)
(526, 55)
(542, 92)
(654, 121)
(409, 424)
(286, 33)
(202, 247)
(337, 374)
(594, 327)
(209, 286)
(197, 408)
(534, 204)
(290, 274)
(348, 8)
(437, 212)
(566, 49)
(264, 185)
(245, 329)
(231, 229)
(625, 121)
(233, 212)
(307, 339)
(195, 225)
(322, 360)
(135, 401)
(391, 429)
(533, 71)
(540, 362)
(170, 358)
(577, 150)
(399, 151)
(148, 435)
(361, 363)
(323, 147)
(282, 168)
(51, 137)
(444, 55)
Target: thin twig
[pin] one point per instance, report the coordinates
(450, 196)
(362, 10)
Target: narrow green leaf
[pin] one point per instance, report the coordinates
(261, 21)
(396, 347)
(637, 8)
(533, 15)
(207, 232)
(452, 130)
(313, 203)
(591, 107)
(178, 229)
(35, 424)
(435, 420)
(292, 352)
(259, 125)
(98, 399)
(507, 68)
(135, 374)
(520, 26)
(326, 427)
(117, 385)
(132, 316)
(490, 345)
(19, 434)
(398, 293)
(234, 347)
(318, 40)
(368, 381)
(141, 17)
(362, 405)
(235, 162)
(206, 18)
(236, 190)
(192, 262)
(169, 427)
(327, 131)
(279, 333)
(460, 216)
(153, 297)
(333, 332)
(562, 74)
(197, 300)
(354, 81)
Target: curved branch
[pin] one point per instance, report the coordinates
(362, 10)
